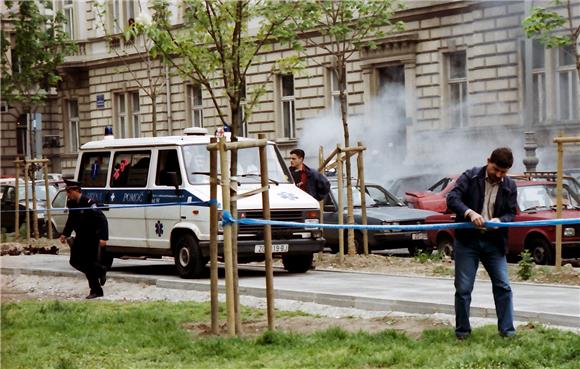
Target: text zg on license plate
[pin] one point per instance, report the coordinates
(276, 248)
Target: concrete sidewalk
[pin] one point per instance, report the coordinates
(551, 304)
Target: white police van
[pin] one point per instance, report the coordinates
(139, 172)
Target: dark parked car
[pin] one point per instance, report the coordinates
(8, 203)
(383, 208)
(536, 201)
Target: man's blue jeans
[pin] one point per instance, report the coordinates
(467, 258)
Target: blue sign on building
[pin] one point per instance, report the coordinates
(100, 101)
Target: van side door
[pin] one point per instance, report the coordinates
(129, 196)
(162, 218)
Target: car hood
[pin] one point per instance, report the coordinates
(551, 214)
(396, 213)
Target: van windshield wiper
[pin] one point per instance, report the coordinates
(257, 175)
(537, 207)
(205, 173)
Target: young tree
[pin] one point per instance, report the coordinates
(30, 56)
(338, 28)
(133, 53)
(216, 46)
(553, 29)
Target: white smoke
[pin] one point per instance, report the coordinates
(389, 155)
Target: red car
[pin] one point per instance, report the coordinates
(434, 198)
(536, 201)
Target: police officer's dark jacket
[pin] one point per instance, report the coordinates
(469, 193)
(87, 220)
(317, 185)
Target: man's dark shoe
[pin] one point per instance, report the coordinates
(462, 337)
(94, 295)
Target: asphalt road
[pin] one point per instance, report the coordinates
(552, 304)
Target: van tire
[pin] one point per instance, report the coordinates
(188, 259)
(297, 263)
(106, 259)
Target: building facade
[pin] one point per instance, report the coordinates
(460, 70)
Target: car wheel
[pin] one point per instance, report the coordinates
(445, 246)
(188, 258)
(542, 253)
(297, 263)
(358, 244)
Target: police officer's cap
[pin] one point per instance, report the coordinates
(70, 184)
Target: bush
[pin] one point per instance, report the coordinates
(525, 266)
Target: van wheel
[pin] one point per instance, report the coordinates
(297, 263)
(541, 251)
(188, 258)
(445, 246)
(106, 259)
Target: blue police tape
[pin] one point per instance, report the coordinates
(128, 206)
(227, 219)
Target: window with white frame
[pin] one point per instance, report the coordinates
(567, 81)
(69, 16)
(122, 130)
(135, 114)
(335, 91)
(73, 125)
(287, 100)
(457, 88)
(195, 105)
(127, 114)
(539, 81)
(122, 14)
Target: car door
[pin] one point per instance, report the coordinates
(8, 209)
(330, 217)
(59, 212)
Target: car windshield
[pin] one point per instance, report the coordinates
(543, 196)
(381, 197)
(355, 197)
(196, 159)
(9, 192)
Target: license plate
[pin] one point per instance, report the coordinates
(276, 248)
(419, 236)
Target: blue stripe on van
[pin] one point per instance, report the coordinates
(122, 196)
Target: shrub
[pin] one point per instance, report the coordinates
(525, 266)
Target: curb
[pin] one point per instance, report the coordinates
(363, 303)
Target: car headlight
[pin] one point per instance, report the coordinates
(569, 232)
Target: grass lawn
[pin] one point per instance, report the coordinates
(67, 335)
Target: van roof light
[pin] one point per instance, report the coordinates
(195, 131)
(108, 133)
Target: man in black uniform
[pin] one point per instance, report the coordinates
(92, 233)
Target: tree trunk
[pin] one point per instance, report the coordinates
(154, 110)
(234, 209)
(341, 76)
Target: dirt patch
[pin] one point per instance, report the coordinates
(40, 246)
(412, 326)
(436, 267)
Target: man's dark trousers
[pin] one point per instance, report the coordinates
(467, 257)
(84, 258)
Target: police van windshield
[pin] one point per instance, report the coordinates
(196, 158)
